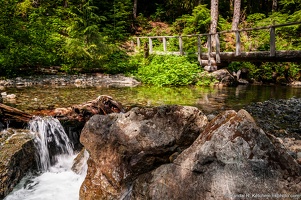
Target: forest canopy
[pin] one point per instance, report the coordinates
(91, 34)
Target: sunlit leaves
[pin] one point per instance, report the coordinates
(168, 70)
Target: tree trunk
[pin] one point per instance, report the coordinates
(211, 40)
(214, 20)
(135, 9)
(275, 6)
(236, 14)
(214, 16)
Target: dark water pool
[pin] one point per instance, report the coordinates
(208, 99)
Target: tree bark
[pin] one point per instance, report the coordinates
(214, 20)
(236, 14)
(275, 6)
(135, 9)
(214, 16)
(213, 27)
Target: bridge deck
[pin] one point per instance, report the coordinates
(261, 56)
(218, 57)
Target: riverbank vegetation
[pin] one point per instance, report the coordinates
(92, 36)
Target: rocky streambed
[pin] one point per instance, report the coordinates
(178, 152)
(96, 79)
(281, 118)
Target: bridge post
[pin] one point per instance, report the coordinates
(237, 48)
(138, 43)
(199, 49)
(164, 44)
(209, 49)
(272, 40)
(132, 45)
(181, 45)
(150, 45)
(217, 56)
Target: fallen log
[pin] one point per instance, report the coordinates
(101, 105)
(13, 116)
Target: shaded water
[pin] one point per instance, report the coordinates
(207, 99)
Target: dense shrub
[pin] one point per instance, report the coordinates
(168, 70)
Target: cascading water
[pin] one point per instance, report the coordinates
(55, 179)
(51, 141)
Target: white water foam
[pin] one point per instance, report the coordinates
(53, 182)
(50, 137)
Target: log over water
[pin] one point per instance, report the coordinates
(101, 105)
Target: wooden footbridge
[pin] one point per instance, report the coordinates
(208, 46)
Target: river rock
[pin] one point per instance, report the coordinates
(232, 159)
(125, 145)
(80, 162)
(16, 158)
(295, 83)
(82, 80)
(224, 77)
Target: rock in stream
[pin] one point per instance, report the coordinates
(17, 153)
(140, 155)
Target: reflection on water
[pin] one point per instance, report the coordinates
(207, 99)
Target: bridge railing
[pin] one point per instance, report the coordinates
(214, 52)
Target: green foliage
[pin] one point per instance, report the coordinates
(268, 71)
(116, 26)
(198, 22)
(290, 6)
(84, 46)
(157, 16)
(253, 69)
(253, 18)
(119, 62)
(287, 38)
(168, 70)
(79, 34)
(206, 79)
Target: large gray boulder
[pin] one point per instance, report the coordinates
(138, 155)
(125, 145)
(17, 153)
(231, 159)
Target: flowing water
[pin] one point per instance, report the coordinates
(51, 141)
(54, 179)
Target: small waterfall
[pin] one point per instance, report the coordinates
(55, 157)
(51, 141)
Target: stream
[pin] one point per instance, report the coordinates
(208, 99)
(55, 179)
